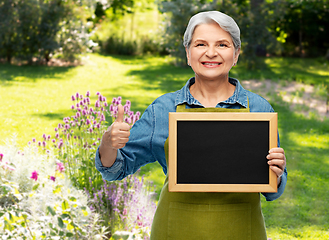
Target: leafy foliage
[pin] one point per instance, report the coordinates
(41, 207)
(39, 29)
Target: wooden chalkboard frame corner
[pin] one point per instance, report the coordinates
(236, 117)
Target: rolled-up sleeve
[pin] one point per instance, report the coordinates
(113, 172)
(281, 187)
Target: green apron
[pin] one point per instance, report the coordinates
(207, 215)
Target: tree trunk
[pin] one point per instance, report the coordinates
(259, 25)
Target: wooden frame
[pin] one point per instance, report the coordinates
(187, 128)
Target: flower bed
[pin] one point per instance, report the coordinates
(52, 190)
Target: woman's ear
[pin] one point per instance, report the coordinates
(188, 56)
(236, 55)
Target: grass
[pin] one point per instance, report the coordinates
(34, 99)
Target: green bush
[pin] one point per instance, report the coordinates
(32, 30)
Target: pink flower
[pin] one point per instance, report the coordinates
(52, 178)
(60, 167)
(1, 157)
(34, 175)
(88, 93)
(60, 144)
(73, 98)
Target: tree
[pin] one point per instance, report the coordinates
(40, 28)
(304, 24)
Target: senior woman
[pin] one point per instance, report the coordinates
(212, 43)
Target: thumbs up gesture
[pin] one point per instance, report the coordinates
(116, 137)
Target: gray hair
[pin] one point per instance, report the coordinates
(224, 21)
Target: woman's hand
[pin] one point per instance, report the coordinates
(277, 161)
(116, 137)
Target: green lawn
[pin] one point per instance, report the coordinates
(34, 99)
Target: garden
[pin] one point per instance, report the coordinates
(54, 113)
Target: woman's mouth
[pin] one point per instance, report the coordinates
(211, 63)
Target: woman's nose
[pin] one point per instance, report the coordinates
(211, 52)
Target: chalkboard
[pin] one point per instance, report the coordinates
(221, 152)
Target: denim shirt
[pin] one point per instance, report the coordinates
(149, 133)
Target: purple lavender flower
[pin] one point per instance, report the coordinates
(34, 175)
(44, 136)
(88, 93)
(87, 121)
(39, 143)
(97, 104)
(73, 98)
(33, 140)
(44, 144)
(77, 95)
(72, 107)
(81, 97)
(52, 178)
(60, 144)
(97, 93)
(1, 157)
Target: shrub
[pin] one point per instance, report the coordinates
(37, 200)
(31, 29)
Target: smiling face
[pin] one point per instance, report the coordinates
(211, 53)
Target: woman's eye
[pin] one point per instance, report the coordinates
(200, 45)
(222, 45)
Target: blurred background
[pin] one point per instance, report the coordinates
(58, 56)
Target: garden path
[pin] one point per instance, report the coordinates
(302, 98)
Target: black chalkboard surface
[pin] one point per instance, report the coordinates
(221, 152)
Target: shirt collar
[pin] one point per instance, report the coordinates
(239, 96)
